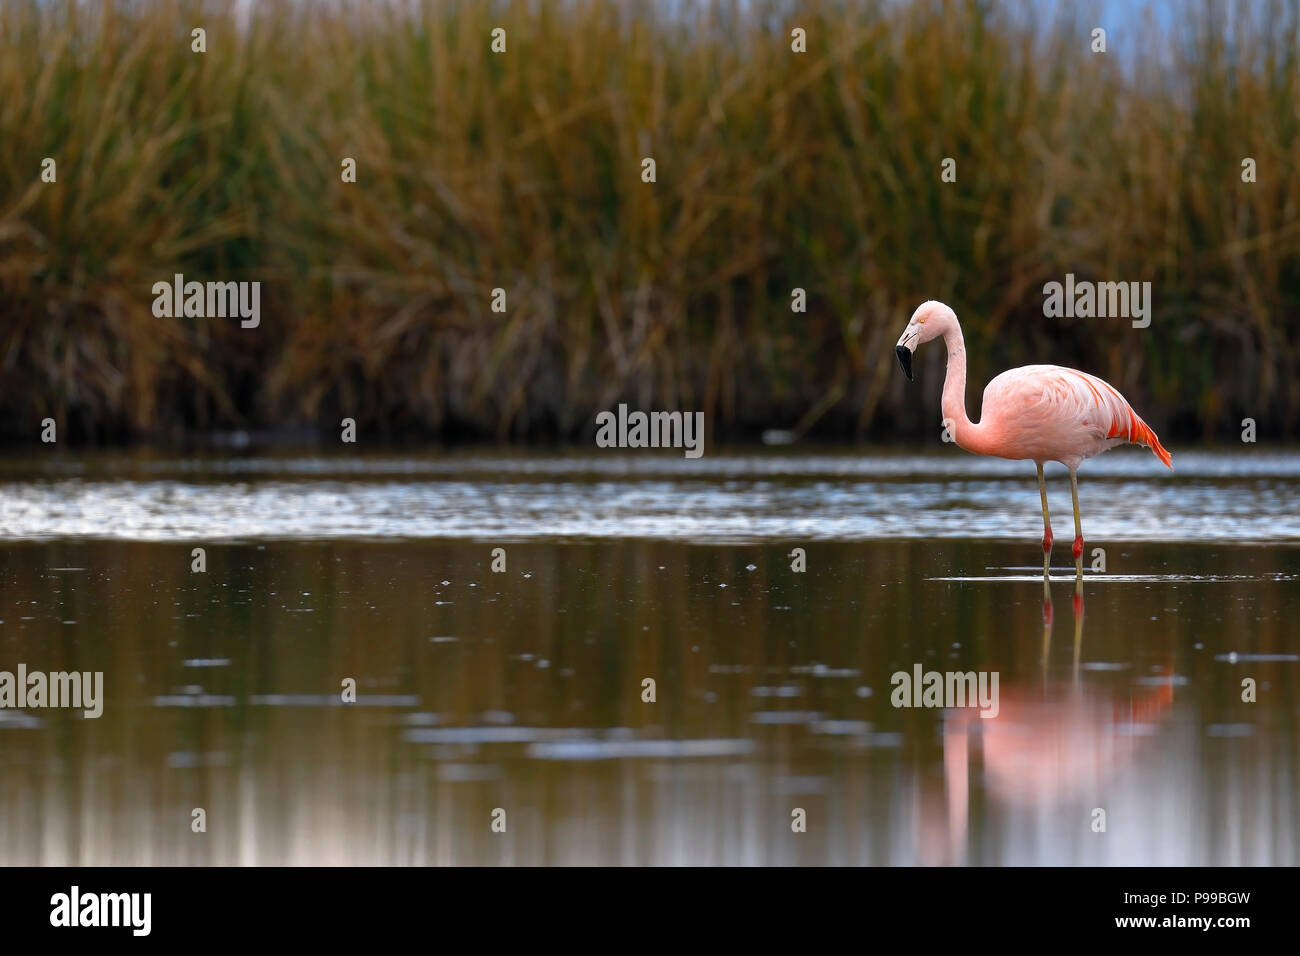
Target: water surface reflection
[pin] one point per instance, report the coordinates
(523, 691)
(1125, 496)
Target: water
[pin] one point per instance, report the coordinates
(1126, 495)
(521, 691)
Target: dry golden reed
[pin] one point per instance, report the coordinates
(522, 171)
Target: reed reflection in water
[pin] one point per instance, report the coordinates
(523, 691)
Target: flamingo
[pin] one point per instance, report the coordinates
(1039, 413)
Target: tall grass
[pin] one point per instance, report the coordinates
(522, 171)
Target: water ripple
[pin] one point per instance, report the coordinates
(1238, 497)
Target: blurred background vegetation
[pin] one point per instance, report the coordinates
(776, 170)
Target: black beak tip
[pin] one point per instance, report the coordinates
(905, 360)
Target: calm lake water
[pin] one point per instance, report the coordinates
(522, 690)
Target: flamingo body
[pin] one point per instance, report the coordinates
(1051, 413)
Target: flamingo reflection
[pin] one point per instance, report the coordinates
(1051, 742)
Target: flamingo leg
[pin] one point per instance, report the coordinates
(1047, 527)
(1078, 534)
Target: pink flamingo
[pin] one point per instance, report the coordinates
(1038, 412)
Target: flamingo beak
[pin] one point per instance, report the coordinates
(905, 360)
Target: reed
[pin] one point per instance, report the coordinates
(521, 171)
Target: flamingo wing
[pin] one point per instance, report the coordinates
(1052, 413)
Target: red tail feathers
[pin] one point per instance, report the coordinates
(1143, 435)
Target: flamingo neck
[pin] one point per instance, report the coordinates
(965, 432)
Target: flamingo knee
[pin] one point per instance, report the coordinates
(1078, 546)
(1047, 540)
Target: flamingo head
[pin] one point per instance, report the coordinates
(929, 321)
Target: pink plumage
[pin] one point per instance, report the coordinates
(1051, 413)
(1038, 413)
